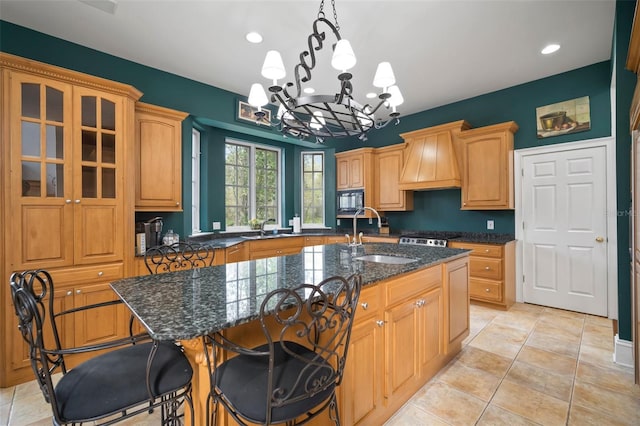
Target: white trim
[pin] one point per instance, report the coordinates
(623, 352)
(324, 191)
(612, 212)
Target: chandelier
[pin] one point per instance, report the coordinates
(325, 116)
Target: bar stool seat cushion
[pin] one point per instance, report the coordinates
(118, 379)
(243, 381)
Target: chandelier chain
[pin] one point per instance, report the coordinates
(335, 14)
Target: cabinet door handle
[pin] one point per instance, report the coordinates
(67, 201)
(380, 323)
(69, 293)
(100, 273)
(177, 204)
(599, 239)
(77, 201)
(78, 291)
(364, 305)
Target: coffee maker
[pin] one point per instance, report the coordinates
(152, 231)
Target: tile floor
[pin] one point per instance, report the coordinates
(527, 366)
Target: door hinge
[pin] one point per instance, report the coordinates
(522, 172)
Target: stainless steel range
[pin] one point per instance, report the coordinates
(433, 240)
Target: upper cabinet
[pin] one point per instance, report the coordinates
(65, 142)
(487, 164)
(354, 169)
(158, 158)
(388, 163)
(431, 161)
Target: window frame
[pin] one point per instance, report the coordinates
(304, 223)
(196, 155)
(253, 146)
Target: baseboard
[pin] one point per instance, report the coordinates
(623, 352)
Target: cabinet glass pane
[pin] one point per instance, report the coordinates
(54, 105)
(89, 111)
(88, 145)
(30, 179)
(30, 139)
(109, 149)
(108, 115)
(31, 100)
(55, 141)
(108, 183)
(55, 180)
(89, 182)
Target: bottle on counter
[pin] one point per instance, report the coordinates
(170, 238)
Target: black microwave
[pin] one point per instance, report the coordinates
(349, 202)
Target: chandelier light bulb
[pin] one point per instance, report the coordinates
(384, 75)
(273, 67)
(317, 121)
(396, 97)
(257, 95)
(343, 57)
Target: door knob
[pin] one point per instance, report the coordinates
(599, 239)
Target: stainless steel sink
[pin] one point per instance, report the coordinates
(266, 237)
(381, 258)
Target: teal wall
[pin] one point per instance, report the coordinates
(213, 110)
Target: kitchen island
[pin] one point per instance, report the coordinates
(412, 320)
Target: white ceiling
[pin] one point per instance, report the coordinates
(441, 51)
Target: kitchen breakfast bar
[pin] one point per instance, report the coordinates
(412, 317)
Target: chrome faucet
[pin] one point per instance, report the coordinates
(263, 223)
(355, 241)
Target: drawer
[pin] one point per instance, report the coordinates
(335, 239)
(485, 267)
(87, 274)
(370, 302)
(487, 250)
(285, 251)
(275, 243)
(398, 290)
(485, 289)
(314, 241)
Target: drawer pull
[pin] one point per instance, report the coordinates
(487, 268)
(100, 273)
(364, 305)
(487, 290)
(486, 250)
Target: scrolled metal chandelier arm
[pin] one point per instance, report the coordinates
(326, 116)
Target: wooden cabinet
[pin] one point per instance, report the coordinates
(354, 169)
(491, 272)
(360, 395)
(487, 158)
(413, 332)
(67, 152)
(158, 158)
(456, 277)
(82, 328)
(388, 163)
(313, 240)
(237, 253)
(275, 247)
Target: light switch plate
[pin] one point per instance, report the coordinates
(337, 222)
(489, 224)
(216, 226)
(290, 222)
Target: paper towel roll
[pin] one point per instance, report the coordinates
(296, 225)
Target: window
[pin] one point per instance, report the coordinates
(252, 184)
(195, 181)
(313, 188)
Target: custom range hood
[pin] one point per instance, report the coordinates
(431, 160)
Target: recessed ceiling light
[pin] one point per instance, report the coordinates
(254, 37)
(371, 95)
(550, 48)
(309, 90)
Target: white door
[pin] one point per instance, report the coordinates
(565, 242)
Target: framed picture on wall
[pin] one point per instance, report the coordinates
(247, 112)
(563, 117)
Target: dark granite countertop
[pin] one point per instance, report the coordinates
(187, 304)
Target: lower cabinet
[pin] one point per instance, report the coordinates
(236, 253)
(78, 329)
(400, 339)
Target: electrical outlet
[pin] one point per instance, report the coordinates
(337, 222)
(290, 222)
(490, 224)
(216, 226)
(370, 221)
